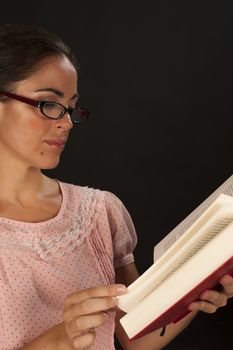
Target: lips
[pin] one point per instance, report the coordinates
(56, 142)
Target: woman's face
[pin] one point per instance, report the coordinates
(26, 135)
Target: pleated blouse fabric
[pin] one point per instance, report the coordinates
(42, 263)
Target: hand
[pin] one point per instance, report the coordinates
(211, 300)
(85, 310)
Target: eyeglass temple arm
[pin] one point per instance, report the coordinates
(21, 98)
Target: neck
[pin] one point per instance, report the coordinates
(19, 183)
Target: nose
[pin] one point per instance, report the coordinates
(65, 122)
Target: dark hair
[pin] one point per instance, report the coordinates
(22, 47)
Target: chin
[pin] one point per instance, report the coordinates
(49, 164)
(49, 167)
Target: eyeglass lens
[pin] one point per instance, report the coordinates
(53, 110)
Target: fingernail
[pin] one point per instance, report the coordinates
(121, 288)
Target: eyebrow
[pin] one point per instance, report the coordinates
(56, 92)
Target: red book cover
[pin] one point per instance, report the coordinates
(179, 309)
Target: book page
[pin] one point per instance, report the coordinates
(211, 224)
(178, 231)
(191, 274)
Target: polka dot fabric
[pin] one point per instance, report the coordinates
(42, 263)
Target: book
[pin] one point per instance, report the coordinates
(190, 259)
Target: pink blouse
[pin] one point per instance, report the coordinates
(41, 263)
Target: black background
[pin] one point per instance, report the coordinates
(157, 79)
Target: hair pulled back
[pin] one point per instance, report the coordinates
(22, 48)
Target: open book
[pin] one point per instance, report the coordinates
(189, 260)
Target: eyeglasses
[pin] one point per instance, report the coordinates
(52, 110)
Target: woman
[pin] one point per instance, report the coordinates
(63, 247)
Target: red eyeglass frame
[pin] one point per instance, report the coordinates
(83, 112)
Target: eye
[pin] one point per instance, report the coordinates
(51, 105)
(53, 110)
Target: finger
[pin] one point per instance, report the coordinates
(84, 341)
(219, 299)
(202, 306)
(89, 306)
(227, 283)
(85, 323)
(107, 290)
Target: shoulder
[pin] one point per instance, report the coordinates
(87, 196)
(93, 204)
(104, 211)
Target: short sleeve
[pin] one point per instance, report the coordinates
(123, 232)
